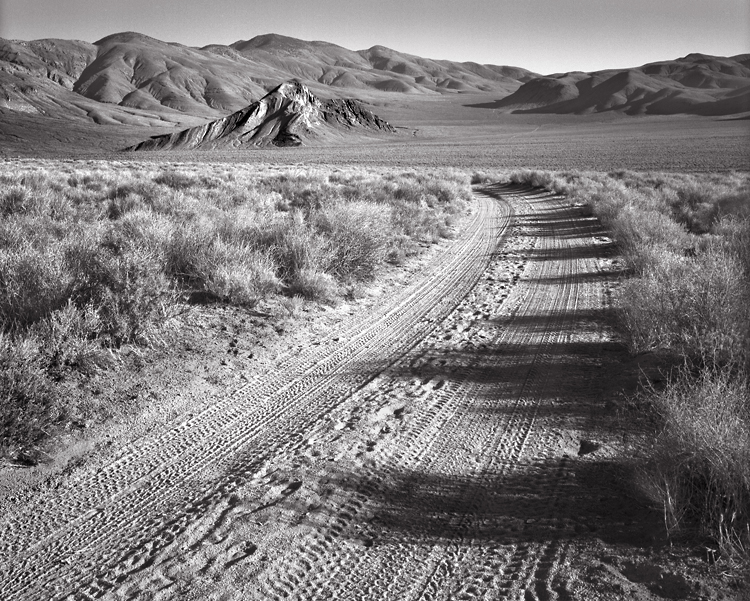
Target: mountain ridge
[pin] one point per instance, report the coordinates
(696, 84)
(132, 78)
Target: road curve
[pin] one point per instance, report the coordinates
(454, 478)
(425, 453)
(90, 538)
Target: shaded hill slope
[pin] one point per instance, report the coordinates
(137, 71)
(38, 78)
(289, 115)
(140, 78)
(378, 67)
(696, 84)
(132, 79)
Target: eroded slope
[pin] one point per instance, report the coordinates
(289, 115)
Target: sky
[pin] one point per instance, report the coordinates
(545, 36)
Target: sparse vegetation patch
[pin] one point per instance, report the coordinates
(686, 242)
(95, 256)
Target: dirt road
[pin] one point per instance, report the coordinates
(450, 443)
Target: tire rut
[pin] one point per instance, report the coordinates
(458, 563)
(118, 520)
(418, 458)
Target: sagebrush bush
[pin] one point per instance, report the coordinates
(177, 180)
(241, 275)
(30, 400)
(295, 246)
(697, 305)
(359, 236)
(312, 284)
(93, 254)
(70, 340)
(33, 283)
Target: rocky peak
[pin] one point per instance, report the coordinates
(289, 115)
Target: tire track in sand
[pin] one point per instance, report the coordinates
(100, 530)
(438, 532)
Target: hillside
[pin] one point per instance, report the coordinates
(53, 92)
(378, 68)
(289, 115)
(39, 78)
(135, 79)
(696, 84)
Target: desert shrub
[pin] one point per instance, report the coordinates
(29, 399)
(303, 191)
(240, 274)
(686, 239)
(734, 236)
(13, 201)
(70, 340)
(313, 284)
(358, 237)
(130, 305)
(690, 293)
(119, 206)
(33, 283)
(93, 254)
(538, 179)
(125, 285)
(176, 180)
(416, 221)
(701, 461)
(295, 246)
(187, 252)
(145, 229)
(214, 258)
(699, 306)
(480, 177)
(734, 205)
(642, 225)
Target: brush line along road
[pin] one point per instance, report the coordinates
(415, 455)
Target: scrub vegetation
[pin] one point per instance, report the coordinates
(97, 256)
(686, 243)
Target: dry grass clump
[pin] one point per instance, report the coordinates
(93, 256)
(686, 240)
(699, 306)
(700, 465)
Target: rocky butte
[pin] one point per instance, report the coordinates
(289, 115)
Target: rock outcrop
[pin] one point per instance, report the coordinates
(289, 115)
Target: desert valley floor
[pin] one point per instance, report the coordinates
(438, 132)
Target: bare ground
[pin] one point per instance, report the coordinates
(463, 436)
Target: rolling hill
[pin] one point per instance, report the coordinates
(696, 84)
(132, 78)
(50, 87)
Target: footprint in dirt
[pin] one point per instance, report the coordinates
(239, 552)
